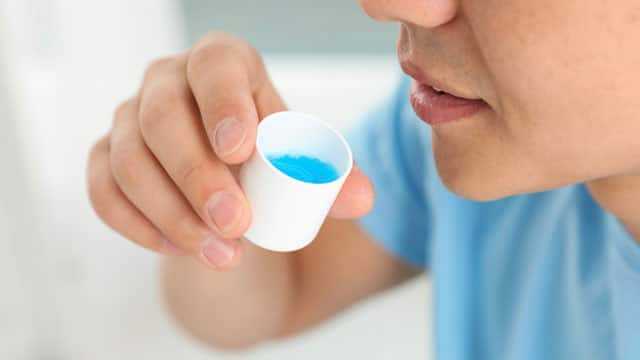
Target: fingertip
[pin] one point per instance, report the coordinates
(214, 257)
(356, 198)
(237, 256)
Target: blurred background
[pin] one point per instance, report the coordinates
(71, 288)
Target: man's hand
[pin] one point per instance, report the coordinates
(164, 176)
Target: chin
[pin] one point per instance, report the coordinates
(480, 181)
(475, 163)
(477, 180)
(466, 175)
(472, 190)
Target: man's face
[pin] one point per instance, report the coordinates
(560, 82)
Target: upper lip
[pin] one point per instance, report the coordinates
(424, 78)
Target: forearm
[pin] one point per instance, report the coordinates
(342, 267)
(272, 294)
(231, 309)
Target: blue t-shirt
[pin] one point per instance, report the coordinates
(540, 276)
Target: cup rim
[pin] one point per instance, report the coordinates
(308, 117)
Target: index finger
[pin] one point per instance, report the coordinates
(232, 91)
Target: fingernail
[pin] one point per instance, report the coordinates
(228, 136)
(224, 210)
(217, 252)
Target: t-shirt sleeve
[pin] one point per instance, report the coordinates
(393, 148)
(625, 290)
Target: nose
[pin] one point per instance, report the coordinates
(423, 13)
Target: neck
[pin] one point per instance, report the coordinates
(620, 195)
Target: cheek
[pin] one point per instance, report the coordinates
(476, 161)
(565, 76)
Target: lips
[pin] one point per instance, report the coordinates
(435, 103)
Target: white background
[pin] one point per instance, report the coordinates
(72, 289)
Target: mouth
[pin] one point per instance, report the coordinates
(436, 103)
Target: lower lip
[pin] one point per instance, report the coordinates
(436, 108)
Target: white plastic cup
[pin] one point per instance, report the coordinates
(288, 213)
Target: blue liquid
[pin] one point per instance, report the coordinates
(305, 168)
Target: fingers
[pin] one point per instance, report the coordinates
(146, 185)
(268, 101)
(170, 125)
(232, 91)
(355, 198)
(112, 206)
(161, 178)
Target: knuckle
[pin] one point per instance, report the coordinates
(199, 178)
(159, 107)
(200, 58)
(217, 35)
(101, 146)
(123, 109)
(125, 167)
(158, 66)
(222, 40)
(190, 173)
(223, 47)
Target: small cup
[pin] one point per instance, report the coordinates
(288, 213)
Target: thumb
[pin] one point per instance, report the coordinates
(356, 197)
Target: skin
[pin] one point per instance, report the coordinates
(560, 83)
(162, 198)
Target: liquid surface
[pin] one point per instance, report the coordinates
(305, 168)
